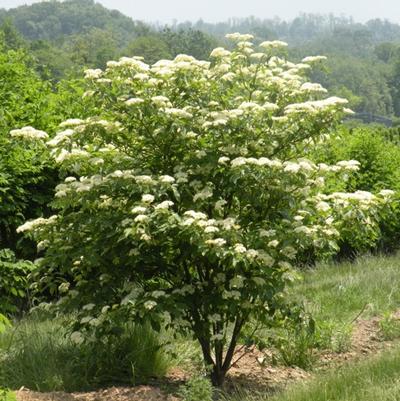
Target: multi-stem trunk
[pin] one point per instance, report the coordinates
(220, 363)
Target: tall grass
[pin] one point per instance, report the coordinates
(335, 295)
(41, 356)
(338, 292)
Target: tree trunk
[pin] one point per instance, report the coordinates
(219, 364)
(218, 376)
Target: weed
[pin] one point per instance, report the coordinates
(294, 344)
(198, 388)
(389, 327)
(342, 339)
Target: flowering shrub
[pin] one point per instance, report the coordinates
(188, 198)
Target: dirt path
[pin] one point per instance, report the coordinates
(248, 372)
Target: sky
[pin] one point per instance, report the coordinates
(166, 11)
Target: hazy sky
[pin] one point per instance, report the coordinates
(219, 10)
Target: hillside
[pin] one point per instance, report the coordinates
(51, 20)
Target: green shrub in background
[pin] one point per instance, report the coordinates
(13, 283)
(26, 180)
(27, 177)
(24, 102)
(379, 159)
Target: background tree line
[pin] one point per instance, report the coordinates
(63, 37)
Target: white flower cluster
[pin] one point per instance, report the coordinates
(132, 63)
(351, 165)
(262, 161)
(76, 127)
(179, 113)
(314, 106)
(303, 166)
(255, 107)
(166, 179)
(387, 193)
(363, 200)
(164, 205)
(64, 154)
(161, 101)
(34, 224)
(164, 69)
(133, 101)
(209, 226)
(238, 37)
(85, 184)
(220, 52)
(217, 242)
(93, 73)
(274, 44)
(61, 137)
(28, 133)
(313, 59)
(313, 88)
(72, 122)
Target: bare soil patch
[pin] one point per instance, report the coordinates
(140, 393)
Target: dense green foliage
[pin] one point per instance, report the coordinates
(14, 283)
(25, 179)
(7, 395)
(379, 158)
(52, 19)
(23, 95)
